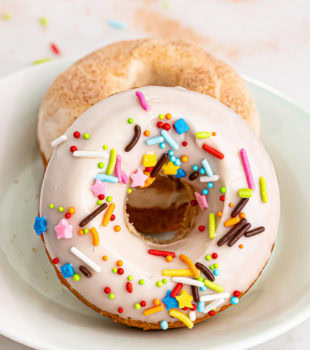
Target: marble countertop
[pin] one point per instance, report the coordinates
(264, 39)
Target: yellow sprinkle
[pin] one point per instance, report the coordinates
(95, 235)
(153, 310)
(170, 169)
(245, 192)
(156, 301)
(108, 213)
(6, 16)
(231, 221)
(112, 161)
(44, 60)
(43, 21)
(202, 135)
(182, 317)
(213, 286)
(177, 273)
(105, 258)
(191, 265)
(212, 226)
(149, 160)
(263, 189)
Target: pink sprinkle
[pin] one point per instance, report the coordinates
(125, 178)
(118, 171)
(201, 200)
(142, 100)
(247, 168)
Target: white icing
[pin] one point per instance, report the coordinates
(68, 179)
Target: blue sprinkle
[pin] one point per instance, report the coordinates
(195, 167)
(172, 159)
(39, 225)
(200, 306)
(67, 270)
(180, 126)
(203, 288)
(207, 167)
(169, 139)
(216, 272)
(116, 24)
(177, 162)
(205, 191)
(170, 152)
(154, 140)
(202, 171)
(162, 145)
(164, 325)
(180, 173)
(210, 184)
(107, 178)
(234, 300)
(169, 301)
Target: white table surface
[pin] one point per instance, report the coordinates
(267, 39)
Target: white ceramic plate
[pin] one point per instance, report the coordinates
(37, 311)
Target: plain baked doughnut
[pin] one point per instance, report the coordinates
(130, 64)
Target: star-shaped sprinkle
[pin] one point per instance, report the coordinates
(201, 200)
(98, 187)
(39, 225)
(138, 178)
(169, 301)
(170, 169)
(149, 180)
(63, 229)
(184, 299)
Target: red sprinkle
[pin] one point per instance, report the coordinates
(193, 202)
(129, 287)
(68, 215)
(201, 228)
(107, 290)
(167, 126)
(120, 271)
(214, 255)
(76, 134)
(55, 48)
(176, 290)
(161, 253)
(143, 303)
(101, 197)
(73, 149)
(55, 261)
(193, 308)
(185, 308)
(236, 293)
(112, 217)
(160, 124)
(120, 310)
(222, 198)
(212, 313)
(213, 151)
(184, 143)
(149, 169)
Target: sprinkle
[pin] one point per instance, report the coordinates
(111, 296)
(86, 136)
(177, 272)
(169, 258)
(195, 293)
(107, 215)
(211, 297)
(105, 258)
(138, 178)
(188, 281)
(109, 199)
(181, 126)
(130, 278)
(213, 151)
(167, 126)
(129, 287)
(209, 178)
(242, 203)
(184, 159)
(219, 214)
(245, 193)
(141, 282)
(134, 140)
(202, 135)
(117, 228)
(112, 161)
(153, 310)
(156, 301)
(238, 235)
(105, 147)
(184, 299)
(234, 300)
(205, 271)
(190, 264)
(154, 140)
(247, 168)
(85, 271)
(51, 205)
(43, 21)
(169, 139)
(201, 200)
(114, 270)
(6, 16)
(213, 286)
(116, 24)
(85, 259)
(162, 160)
(89, 154)
(92, 215)
(43, 60)
(73, 149)
(170, 168)
(67, 270)
(232, 221)
(142, 101)
(85, 230)
(263, 189)
(39, 225)
(59, 140)
(182, 317)
(130, 120)
(200, 306)
(213, 305)
(63, 229)
(161, 116)
(95, 236)
(146, 133)
(255, 231)
(176, 290)
(169, 301)
(149, 160)
(98, 188)
(161, 252)
(159, 284)
(193, 176)
(55, 261)
(119, 263)
(107, 178)
(207, 167)
(231, 232)
(164, 325)
(55, 48)
(223, 189)
(212, 225)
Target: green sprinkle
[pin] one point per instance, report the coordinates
(137, 306)
(109, 199)
(43, 60)
(86, 136)
(213, 286)
(263, 189)
(60, 209)
(100, 165)
(6, 16)
(99, 202)
(161, 116)
(212, 225)
(212, 267)
(114, 270)
(245, 193)
(76, 277)
(202, 135)
(223, 189)
(129, 278)
(159, 284)
(208, 257)
(164, 281)
(105, 147)
(130, 120)
(43, 21)
(200, 279)
(129, 190)
(51, 205)
(111, 296)
(85, 231)
(141, 282)
(112, 162)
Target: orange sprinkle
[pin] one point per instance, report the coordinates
(191, 265)
(149, 180)
(242, 215)
(230, 205)
(71, 210)
(153, 310)
(219, 214)
(213, 133)
(241, 246)
(231, 221)
(168, 116)
(147, 133)
(119, 263)
(156, 301)
(95, 235)
(81, 232)
(117, 228)
(169, 258)
(184, 159)
(108, 213)
(105, 258)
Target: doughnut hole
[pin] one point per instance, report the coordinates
(162, 213)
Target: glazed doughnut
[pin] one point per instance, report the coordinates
(127, 143)
(130, 64)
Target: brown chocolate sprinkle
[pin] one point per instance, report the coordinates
(239, 207)
(238, 235)
(134, 140)
(193, 176)
(255, 231)
(159, 165)
(89, 217)
(195, 293)
(85, 271)
(231, 232)
(203, 268)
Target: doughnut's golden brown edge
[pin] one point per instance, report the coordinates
(136, 63)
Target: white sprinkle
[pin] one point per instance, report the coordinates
(189, 281)
(89, 154)
(209, 178)
(211, 297)
(213, 305)
(192, 315)
(59, 140)
(85, 259)
(207, 167)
